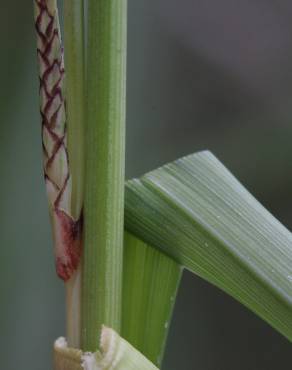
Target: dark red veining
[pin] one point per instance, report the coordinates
(68, 232)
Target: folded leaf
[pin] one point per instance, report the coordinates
(196, 211)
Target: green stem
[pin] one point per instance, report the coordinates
(104, 186)
(74, 66)
(74, 59)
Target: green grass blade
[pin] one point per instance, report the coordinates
(150, 284)
(105, 162)
(198, 213)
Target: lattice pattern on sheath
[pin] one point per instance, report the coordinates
(66, 229)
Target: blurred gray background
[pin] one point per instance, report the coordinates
(202, 74)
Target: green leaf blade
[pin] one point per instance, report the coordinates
(151, 281)
(198, 213)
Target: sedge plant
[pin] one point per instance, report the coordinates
(122, 278)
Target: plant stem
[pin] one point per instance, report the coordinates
(105, 160)
(75, 78)
(74, 66)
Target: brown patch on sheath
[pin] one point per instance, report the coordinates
(71, 240)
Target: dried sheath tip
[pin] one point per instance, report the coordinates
(66, 229)
(115, 353)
